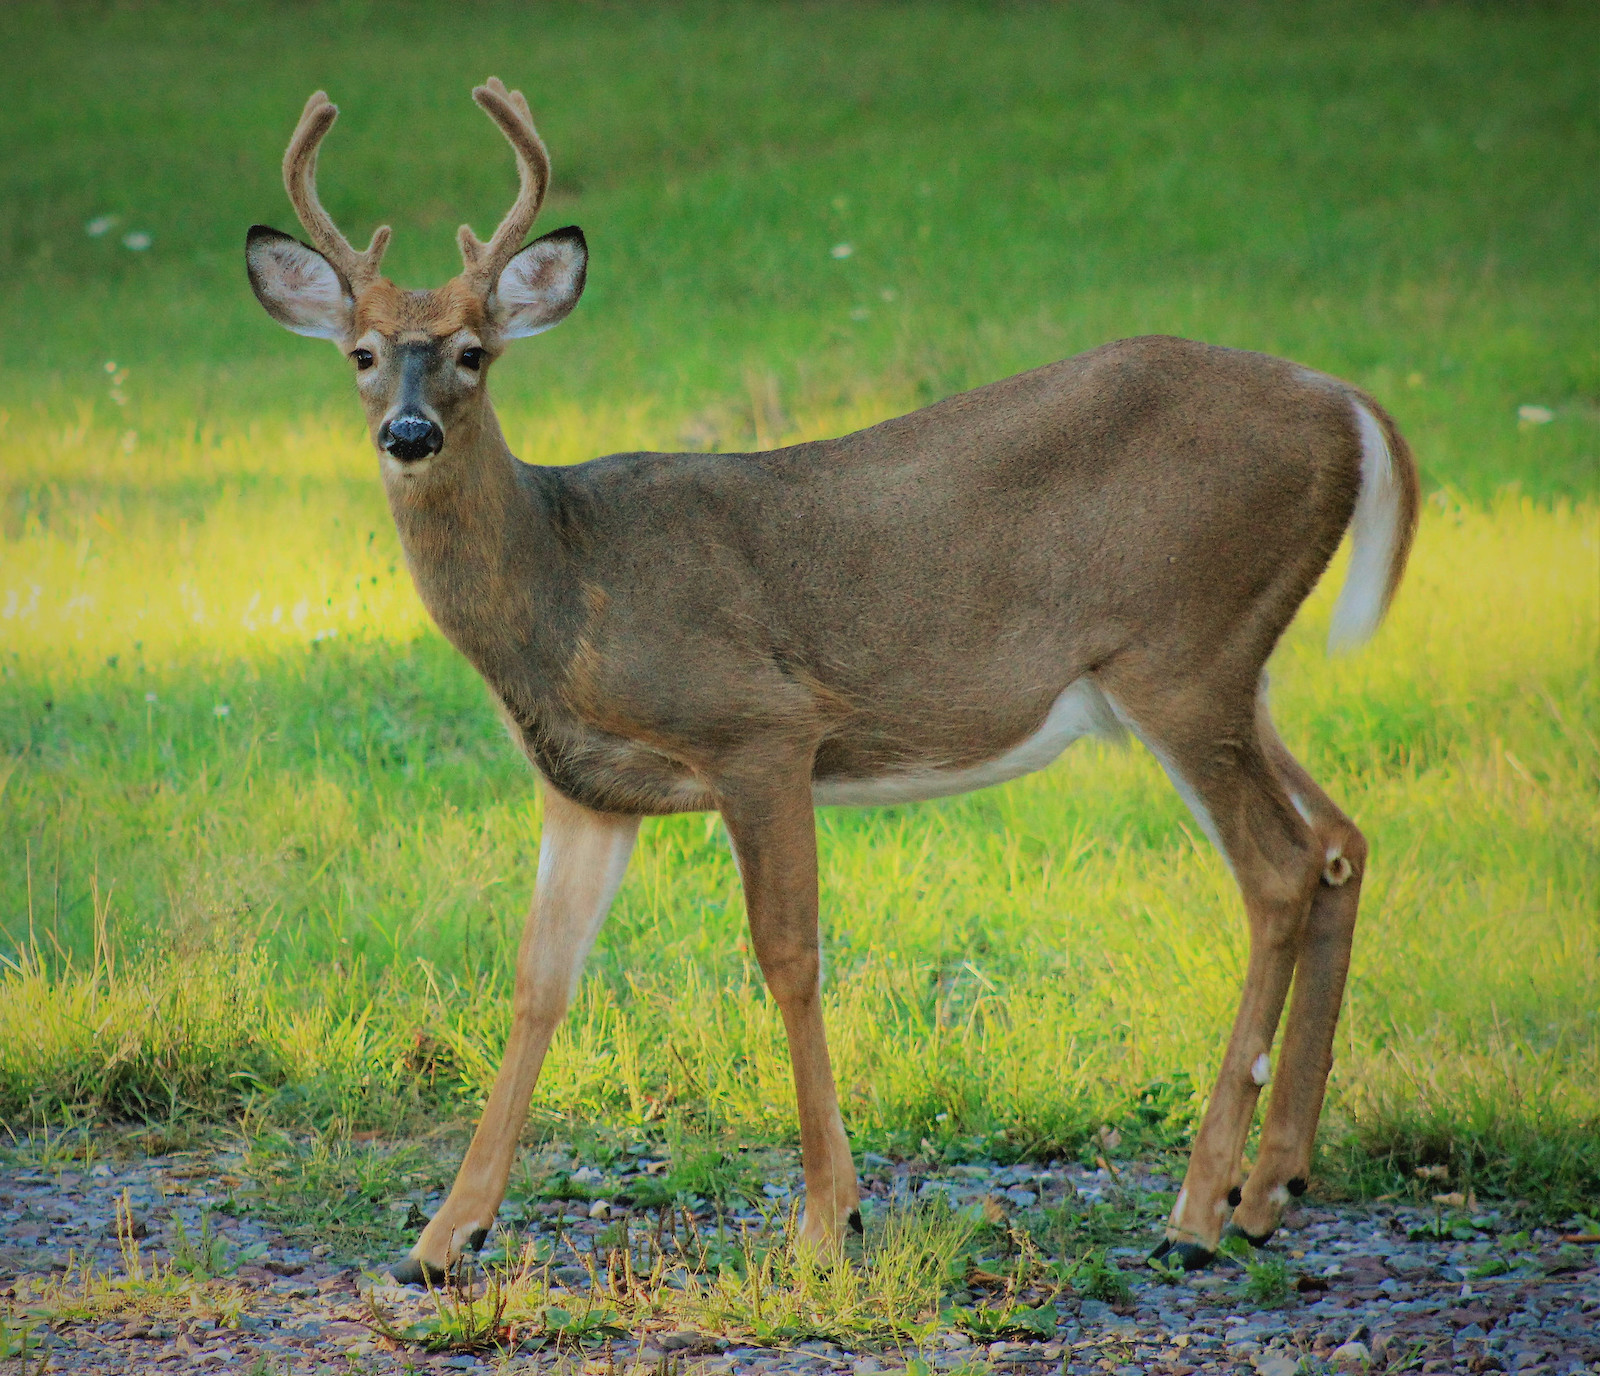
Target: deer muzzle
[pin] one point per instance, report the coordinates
(409, 436)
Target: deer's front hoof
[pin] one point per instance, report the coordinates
(823, 1234)
(416, 1271)
(1192, 1256)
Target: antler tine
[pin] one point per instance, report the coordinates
(300, 180)
(508, 109)
(515, 97)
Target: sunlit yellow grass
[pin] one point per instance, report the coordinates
(236, 542)
(297, 898)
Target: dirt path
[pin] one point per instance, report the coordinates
(1383, 1287)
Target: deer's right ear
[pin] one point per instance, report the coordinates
(297, 285)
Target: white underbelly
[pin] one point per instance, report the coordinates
(1081, 710)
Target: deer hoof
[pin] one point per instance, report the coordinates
(855, 1221)
(1190, 1255)
(1254, 1239)
(416, 1271)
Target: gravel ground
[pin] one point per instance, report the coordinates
(1370, 1294)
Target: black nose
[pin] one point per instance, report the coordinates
(410, 436)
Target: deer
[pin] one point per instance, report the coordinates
(1110, 545)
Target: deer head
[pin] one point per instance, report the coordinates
(421, 358)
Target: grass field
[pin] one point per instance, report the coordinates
(263, 845)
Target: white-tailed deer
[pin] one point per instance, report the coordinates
(1111, 543)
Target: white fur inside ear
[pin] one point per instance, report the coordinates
(540, 286)
(299, 287)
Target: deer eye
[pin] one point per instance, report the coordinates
(363, 358)
(471, 359)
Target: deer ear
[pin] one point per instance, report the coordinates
(297, 285)
(539, 287)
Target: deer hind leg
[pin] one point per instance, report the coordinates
(1212, 752)
(775, 844)
(1289, 1129)
(582, 858)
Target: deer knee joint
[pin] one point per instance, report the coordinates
(1337, 869)
(540, 1008)
(791, 974)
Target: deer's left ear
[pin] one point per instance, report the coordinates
(539, 287)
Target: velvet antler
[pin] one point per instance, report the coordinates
(508, 109)
(300, 180)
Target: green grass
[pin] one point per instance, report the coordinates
(333, 1191)
(1394, 193)
(262, 842)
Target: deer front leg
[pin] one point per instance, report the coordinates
(775, 844)
(582, 858)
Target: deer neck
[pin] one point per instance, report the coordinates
(472, 527)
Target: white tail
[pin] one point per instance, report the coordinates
(1377, 533)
